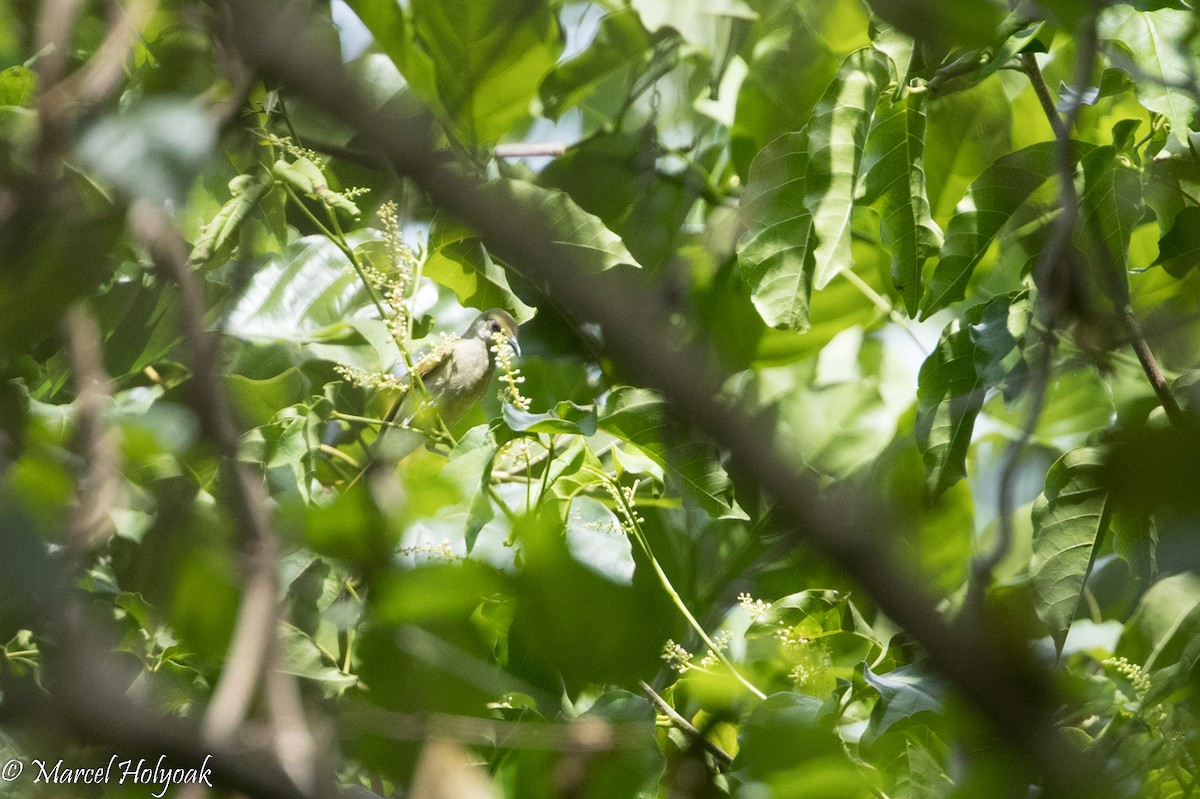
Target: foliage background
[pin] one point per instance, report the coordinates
(858, 342)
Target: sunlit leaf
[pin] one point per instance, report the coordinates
(1069, 522)
(643, 419)
(1112, 204)
(950, 394)
(991, 201)
(895, 177)
(1161, 61)
(799, 201)
(488, 60)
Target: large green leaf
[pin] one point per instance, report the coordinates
(386, 21)
(582, 235)
(950, 393)
(1179, 247)
(895, 170)
(307, 293)
(904, 693)
(1069, 522)
(1165, 626)
(1112, 203)
(789, 746)
(456, 258)
(1162, 64)
(799, 201)
(489, 57)
(992, 199)
(957, 23)
(641, 417)
(470, 466)
(622, 45)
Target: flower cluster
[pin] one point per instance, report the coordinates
(790, 638)
(624, 505)
(509, 374)
(365, 379)
(1136, 675)
(441, 551)
(678, 658)
(814, 662)
(395, 283)
(755, 607)
(712, 658)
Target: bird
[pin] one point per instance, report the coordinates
(456, 375)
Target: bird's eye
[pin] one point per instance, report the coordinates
(495, 326)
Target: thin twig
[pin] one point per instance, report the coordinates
(1030, 65)
(1056, 278)
(1150, 366)
(685, 726)
(99, 482)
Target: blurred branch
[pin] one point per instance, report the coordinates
(586, 735)
(998, 676)
(256, 630)
(529, 149)
(1061, 281)
(98, 484)
(686, 727)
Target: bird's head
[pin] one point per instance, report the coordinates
(496, 322)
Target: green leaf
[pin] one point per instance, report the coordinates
(776, 254)
(999, 337)
(1069, 522)
(895, 170)
(470, 466)
(950, 394)
(904, 692)
(799, 199)
(1165, 625)
(567, 417)
(307, 293)
(17, 86)
(621, 46)
(950, 23)
(583, 236)
(641, 417)
(1112, 203)
(789, 743)
(1179, 248)
(393, 33)
(457, 259)
(246, 191)
(489, 58)
(991, 201)
(258, 401)
(1160, 59)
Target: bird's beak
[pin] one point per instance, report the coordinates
(512, 342)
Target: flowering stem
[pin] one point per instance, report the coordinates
(638, 535)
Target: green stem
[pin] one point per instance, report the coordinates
(882, 304)
(640, 537)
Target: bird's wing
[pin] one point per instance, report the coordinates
(424, 368)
